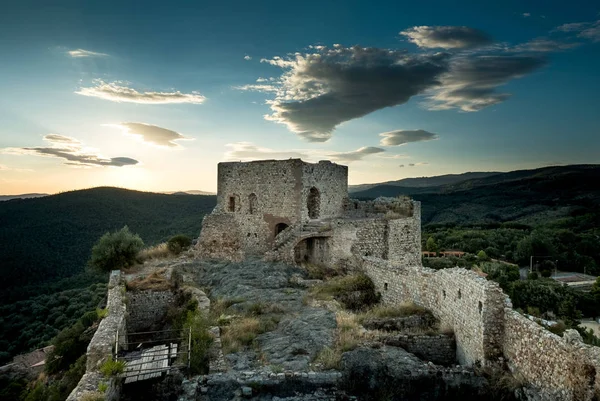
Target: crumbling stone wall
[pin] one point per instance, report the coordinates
(102, 344)
(559, 368)
(147, 309)
(469, 304)
(439, 349)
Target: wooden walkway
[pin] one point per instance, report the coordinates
(152, 363)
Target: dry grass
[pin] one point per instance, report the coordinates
(242, 332)
(92, 396)
(348, 336)
(388, 311)
(160, 251)
(155, 281)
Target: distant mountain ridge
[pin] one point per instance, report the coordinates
(425, 182)
(21, 196)
(520, 196)
(190, 192)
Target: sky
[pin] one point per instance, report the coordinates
(151, 95)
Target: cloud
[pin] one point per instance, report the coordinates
(79, 53)
(117, 93)
(247, 151)
(326, 86)
(447, 37)
(70, 149)
(526, 15)
(355, 155)
(55, 138)
(471, 83)
(152, 134)
(401, 137)
(544, 45)
(416, 164)
(247, 57)
(258, 88)
(324, 89)
(584, 30)
(402, 165)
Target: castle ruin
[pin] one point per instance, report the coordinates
(296, 212)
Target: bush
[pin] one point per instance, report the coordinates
(356, 292)
(116, 250)
(178, 243)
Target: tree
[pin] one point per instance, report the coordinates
(116, 250)
(431, 245)
(482, 256)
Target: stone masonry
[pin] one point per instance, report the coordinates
(298, 212)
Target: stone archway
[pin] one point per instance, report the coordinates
(313, 203)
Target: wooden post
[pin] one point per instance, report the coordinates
(190, 347)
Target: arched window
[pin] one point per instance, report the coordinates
(313, 203)
(252, 203)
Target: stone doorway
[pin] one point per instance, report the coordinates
(279, 228)
(313, 250)
(313, 203)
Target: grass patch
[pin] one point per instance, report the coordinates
(392, 311)
(92, 396)
(155, 281)
(356, 292)
(112, 368)
(160, 251)
(348, 336)
(323, 272)
(101, 313)
(219, 306)
(243, 331)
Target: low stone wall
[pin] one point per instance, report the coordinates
(102, 344)
(147, 309)
(220, 238)
(559, 368)
(439, 349)
(469, 304)
(487, 328)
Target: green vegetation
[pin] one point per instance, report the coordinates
(116, 250)
(31, 323)
(51, 237)
(47, 241)
(112, 368)
(178, 243)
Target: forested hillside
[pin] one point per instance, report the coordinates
(51, 237)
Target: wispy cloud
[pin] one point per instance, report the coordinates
(18, 170)
(417, 164)
(544, 45)
(71, 150)
(470, 84)
(584, 30)
(247, 57)
(355, 155)
(526, 15)
(258, 88)
(152, 134)
(79, 53)
(247, 151)
(401, 137)
(447, 37)
(115, 92)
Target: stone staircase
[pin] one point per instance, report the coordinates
(291, 235)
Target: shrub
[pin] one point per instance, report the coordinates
(178, 243)
(116, 250)
(200, 342)
(355, 292)
(154, 281)
(112, 368)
